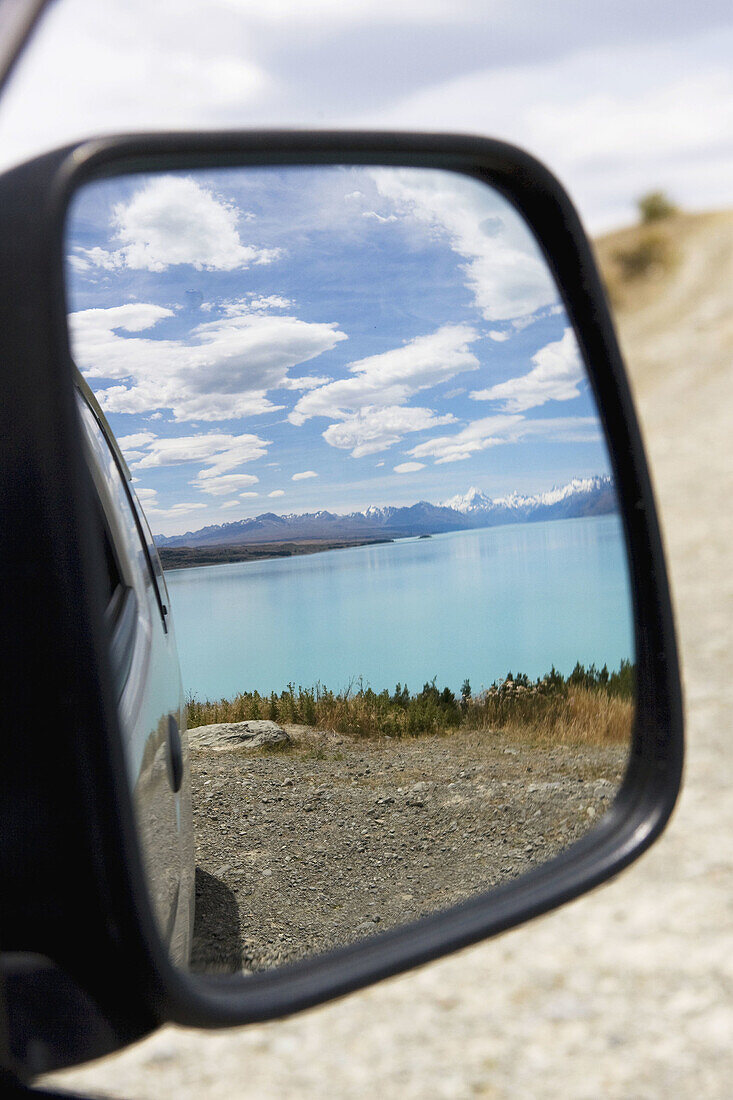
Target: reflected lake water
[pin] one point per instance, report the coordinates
(469, 604)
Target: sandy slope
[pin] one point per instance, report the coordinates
(628, 992)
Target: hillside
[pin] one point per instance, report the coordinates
(675, 317)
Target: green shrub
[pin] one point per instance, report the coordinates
(654, 207)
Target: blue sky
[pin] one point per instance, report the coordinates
(297, 339)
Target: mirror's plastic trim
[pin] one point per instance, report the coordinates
(151, 988)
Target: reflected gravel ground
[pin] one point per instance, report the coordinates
(301, 852)
(627, 992)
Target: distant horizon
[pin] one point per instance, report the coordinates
(537, 496)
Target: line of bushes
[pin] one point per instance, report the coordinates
(591, 705)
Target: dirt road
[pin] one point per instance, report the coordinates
(627, 992)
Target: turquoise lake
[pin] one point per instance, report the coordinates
(470, 604)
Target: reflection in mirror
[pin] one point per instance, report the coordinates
(358, 422)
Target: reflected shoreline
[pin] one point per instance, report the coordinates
(518, 597)
(192, 557)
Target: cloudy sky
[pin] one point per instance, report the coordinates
(297, 339)
(618, 96)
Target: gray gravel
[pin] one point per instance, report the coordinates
(626, 993)
(331, 839)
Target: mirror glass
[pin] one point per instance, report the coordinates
(356, 419)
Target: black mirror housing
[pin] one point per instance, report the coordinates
(69, 855)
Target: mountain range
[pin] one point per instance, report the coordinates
(592, 496)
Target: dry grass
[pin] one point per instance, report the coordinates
(582, 717)
(544, 712)
(637, 262)
(641, 260)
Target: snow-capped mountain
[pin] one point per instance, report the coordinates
(580, 497)
(580, 488)
(472, 501)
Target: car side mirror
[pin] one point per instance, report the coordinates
(434, 303)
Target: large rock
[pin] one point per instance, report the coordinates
(225, 736)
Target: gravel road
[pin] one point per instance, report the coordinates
(628, 992)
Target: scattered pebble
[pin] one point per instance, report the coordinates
(398, 829)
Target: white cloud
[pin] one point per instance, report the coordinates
(181, 509)
(475, 437)
(409, 467)
(262, 303)
(562, 429)
(557, 373)
(498, 336)
(670, 124)
(174, 220)
(250, 347)
(369, 406)
(357, 12)
(304, 475)
(277, 493)
(230, 504)
(219, 453)
(247, 495)
(492, 431)
(84, 259)
(394, 376)
(305, 382)
(375, 429)
(90, 325)
(223, 369)
(505, 270)
(134, 67)
(221, 485)
(147, 496)
(138, 439)
(666, 123)
(77, 263)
